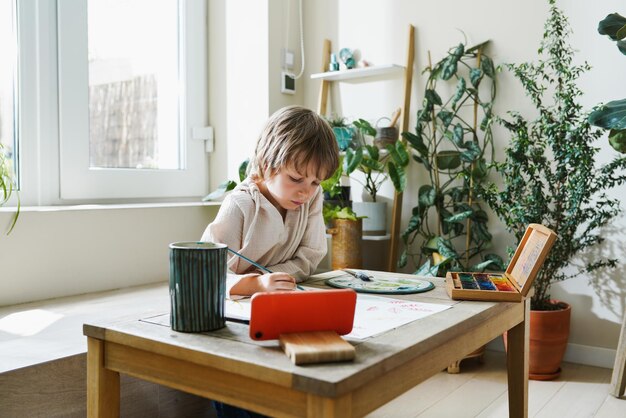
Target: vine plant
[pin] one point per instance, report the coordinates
(453, 141)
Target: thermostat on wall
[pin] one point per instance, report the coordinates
(287, 83)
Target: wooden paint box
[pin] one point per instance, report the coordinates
(512, 285)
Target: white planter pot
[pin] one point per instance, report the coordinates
(376, 212)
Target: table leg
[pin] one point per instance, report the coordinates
(329, 407)
(103, 385)
(618, 379)
(517, 365)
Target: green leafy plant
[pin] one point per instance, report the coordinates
(337, 212)
(612, 115)
(453, 142)
(376, 165)
(228, 185)
(344, 131)
(7, 186)
(551, 175)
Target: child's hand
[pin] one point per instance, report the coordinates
(272, 282)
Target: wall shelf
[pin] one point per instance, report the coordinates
(356, 74)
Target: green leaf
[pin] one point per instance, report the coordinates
(458, 135)
(450, 64)
(426, 270)
(481, 266)
(373, 152)
(496, 261)
(613, 25)
(476, 74)
(423, 115)
(352, 160)
(480, 216)
(448, 160)
(460, 217)
(417, 143)
(432, 244)
(401, 155)
(446, 117)
(481, 232)
(617, 139)
(446, 249)
(364, 127)
(480, 169)
(414, 224)
(471, 153)
(398, 177)
(431, 96)
(460, 90)
(426, 196)
(611, 115)
(346, 213)
(369, 165)
(403, 259)
(486, 65)
(221, 190)
(243, 167)
(331, 184)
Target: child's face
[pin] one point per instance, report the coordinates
(290, 189)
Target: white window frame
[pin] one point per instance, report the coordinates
(53, 107)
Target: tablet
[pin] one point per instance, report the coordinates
(276, 313)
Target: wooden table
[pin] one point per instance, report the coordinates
(226, 365)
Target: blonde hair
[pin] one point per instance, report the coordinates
(295, 137)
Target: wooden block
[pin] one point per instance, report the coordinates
(316, 347)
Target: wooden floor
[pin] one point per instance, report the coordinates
(480, 390)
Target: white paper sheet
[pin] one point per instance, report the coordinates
(373, 315)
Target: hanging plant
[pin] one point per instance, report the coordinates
(612, 115)
(454, 143)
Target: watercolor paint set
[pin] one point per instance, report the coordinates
(512, 285)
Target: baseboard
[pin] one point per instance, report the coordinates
(590, 356)
(576, 353)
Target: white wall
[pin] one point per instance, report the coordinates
(378, 28)
(55, 252)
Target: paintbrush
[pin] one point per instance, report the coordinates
(257, 265)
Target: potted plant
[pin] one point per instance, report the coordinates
(376, 165)
(551, 176)
(344, 132)
(7, 185)
(336, 194)
(453, 142)
(346, 231)
(612, 115)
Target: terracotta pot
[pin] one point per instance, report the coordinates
(549, 333)
(346, 244)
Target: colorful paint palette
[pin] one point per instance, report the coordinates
(483, 281)
(382, 285)
(512, 285)
(481, 286)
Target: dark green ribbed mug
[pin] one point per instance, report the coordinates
(197, 286)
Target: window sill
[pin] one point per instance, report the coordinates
(63, 208)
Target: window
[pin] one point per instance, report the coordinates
(110, 93)
(8, 113)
